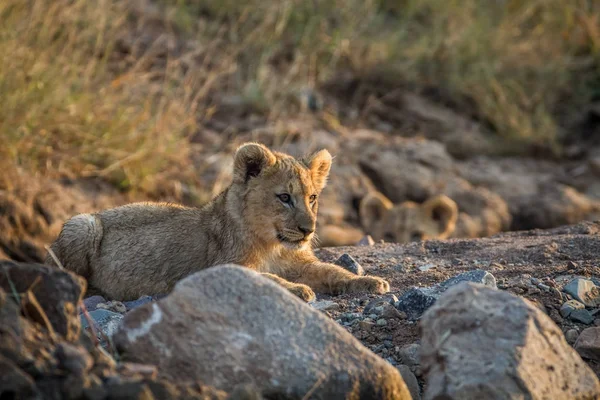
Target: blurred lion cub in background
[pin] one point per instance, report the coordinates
(265, 220)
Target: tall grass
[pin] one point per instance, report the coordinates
(523, 64)
(75, 102)
(72, 105)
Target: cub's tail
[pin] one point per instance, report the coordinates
(77, 243)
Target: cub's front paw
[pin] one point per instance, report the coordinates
(303, 291)
(370, 284)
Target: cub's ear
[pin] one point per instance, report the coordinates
(319, 164)
(250, 160)
(444, 213)
(372, 209)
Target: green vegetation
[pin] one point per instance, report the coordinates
(75, 103)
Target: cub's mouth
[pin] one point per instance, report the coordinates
(289, 242)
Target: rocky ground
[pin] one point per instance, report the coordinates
(431, 328)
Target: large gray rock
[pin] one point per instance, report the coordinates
(480, 343)
(228, 325)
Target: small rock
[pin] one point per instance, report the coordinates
(567, 308)
(584, 290)
(366, 326)
(545, 288)
(582, 315)
(114, 306)
(411, 381)
(475, 276)
(426, 267)
(366, 241)
(105, 321)
(588, 344)
(379, 302)
(130, 305)
(410, 355)
(416, 301)
(350, 316)
(346, 261)
(381, 322)
(325, 305)
(571, 335)
(92, 302)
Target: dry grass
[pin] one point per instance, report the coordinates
(76, 103)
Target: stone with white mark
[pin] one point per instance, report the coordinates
(228, 325)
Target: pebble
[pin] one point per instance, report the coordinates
(114, 306)
(411, 381)
(476, 276)
(350, 316)
(106, 321)
(409, 355)
(141, 301)
(567, 308)
(366, 241)
(366, 326)
(426, 267)
(588, 344)
(347, 262)
(380, 302)
(416, 301)
(381, 322)
(582, 315)
(91, 302)
(584, 290)
(325, 305)
(571, 335)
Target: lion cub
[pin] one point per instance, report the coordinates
(265, 220)
(408, 221)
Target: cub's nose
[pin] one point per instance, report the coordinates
(306, 230)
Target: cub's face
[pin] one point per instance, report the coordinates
(280, 193)
(408, 221)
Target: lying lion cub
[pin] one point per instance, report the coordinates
(408, 221)
(265, 220)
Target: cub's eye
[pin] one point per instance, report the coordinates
(313, 198)
(284, 197)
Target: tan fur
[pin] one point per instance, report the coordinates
(408, 221)
(338, 235)
(145, 248)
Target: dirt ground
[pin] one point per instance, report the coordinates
(548, 258)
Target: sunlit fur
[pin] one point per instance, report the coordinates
(145, 248)
(408, 221)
